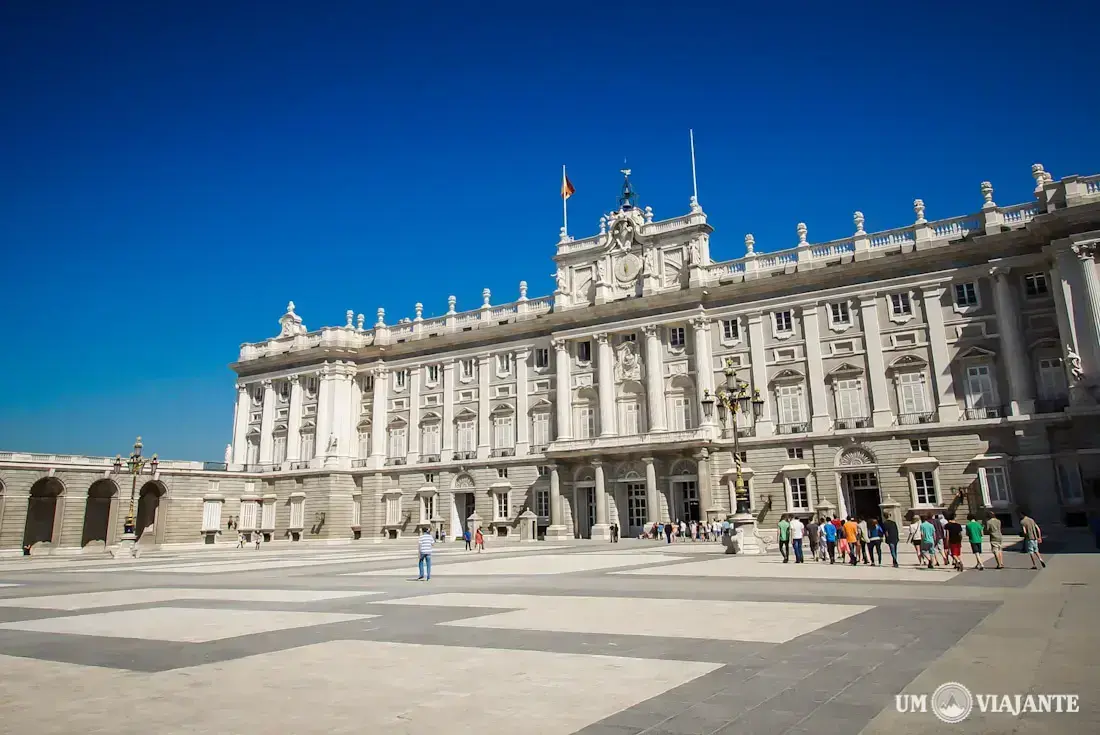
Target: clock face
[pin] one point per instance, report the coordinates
(627, 267)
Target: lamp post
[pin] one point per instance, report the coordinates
(734, 398)
(134, 465)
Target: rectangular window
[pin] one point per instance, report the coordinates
(900, 304)
(502, 506)
(502, 473)
(429, 438)
(467, 436)
(542, 503)
(586, 422)
(630, 337)
(368, 383)
(731, 331)
(1069, 482)
(356, 510)
(309, 446)
(1035, 285)
(393, 509)
(1052, 378)
(849, 398)
(504, 437)
(584, 351)
(364, 443)
(544, 471)
(676, 337)
(924, 482)
(542, 357)
(979, 387)
(789, 402)
(504, 364)
(966, 294)
(433, 373)
(540, 428)
(279, 449)
(632, 423)
(429, 478)
(252, 453)
(796, 453)
(398, 443)
(911, 396)
(839, 313)
(400, 379)
(918, 445)
(783, 322)
(267, 520)
(469, 368)
(297, 513)
(636, 514)
(427, 508)
(212, 515)
(996, 483)
(681, 413)
(800, 493)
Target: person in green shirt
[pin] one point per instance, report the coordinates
(974, 533)
(784, 537)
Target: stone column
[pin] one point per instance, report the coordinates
(556, 530)
(1087, 309)
(355, 408)
(652, 499)
(706, 494)
(764, 425)
(946, 403)
(294, 421)
(815, 370)
(522, 419)
(413, 445)
(240, 426)
(654, 379)
(606, 368)
(704, 365)
(881, 415)
(267, 423)
(324, 414)
(379, 409)
(484, 425)
(1021, 393)
(341, 414)
(447, 430)
(562, 390)
(602, 529)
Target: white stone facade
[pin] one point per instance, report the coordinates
(946, 360)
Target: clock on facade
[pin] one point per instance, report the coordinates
(627, 267)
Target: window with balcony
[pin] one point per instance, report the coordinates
(309, 446)
(542, 358)
(429, 439)
(631, 417)
(680, 417)
(586, 421)
(1052, 384)
(504, 431)
(252, 451)
(466, 436)
(540, 428)
(398, 442)
(676, 337)
(1035, 285)
(850, 411)
(981, 393)
(913, 402)
(364, 443)
(790, 408)
(966, 295)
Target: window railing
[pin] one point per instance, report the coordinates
(1052, 405)
(852, 422)
(538, 448)
(361, 462)
(303, 465)
(504, 452)
(797, 427)
(430, 458)
(465, 455)
(988, 412)
(259, 467)
(924, 417)
(215, 466)
(392, 461)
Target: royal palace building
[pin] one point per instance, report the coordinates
(943, 364)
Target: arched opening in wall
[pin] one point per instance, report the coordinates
(684, 498)
(97, 513)
(149, 516)
(43, 505)
(859, 484)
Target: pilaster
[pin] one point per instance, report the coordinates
(355, 407)
(606, 368)
(1014, 352)
(324, 416)
(267, 423)
(881, 415)
(415, 375)
(1087, 310)
(706, 491)
(484, 425)
(240, 426)
(523, 423)
(815, 369)
(946, 404)
(379, 409)
(704, 365)
(764, 425)
(1060, 277)
(654, 379)
(294, 421)
(562, 391)
(447, 430)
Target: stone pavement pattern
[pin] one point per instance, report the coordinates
(547, 639)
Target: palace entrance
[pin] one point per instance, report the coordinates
(861, 494)
(636, 510)
(686, 501)
(584, 510)
(464, 504)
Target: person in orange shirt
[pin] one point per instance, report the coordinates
(851, 535)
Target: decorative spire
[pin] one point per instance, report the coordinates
(451, 301)
(350, 316)
(359, 322)
(918, 208)
(750, 244)
(628, 199)
(1040, 175)
(381, 317)
(523, 290)
(419, 312)
(858, 219)
(486, 294)
(801, 230)
(987, 195)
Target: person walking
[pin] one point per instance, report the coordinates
(954, 533)
(257, 538)
(829, 530)
(851, 536)
(784, 537)
(668, 533)
(974, 534)
(890, 536)
(466, 537)
(996, 540)
(915, 538)
(928, 541)
(874, 541)
(863, 538)
(1033, 536)
(479, 541)
(812, 535)
(424, 551)
(798, 532)
(240, 539)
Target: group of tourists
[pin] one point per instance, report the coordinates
(687, 531)
(937, 539)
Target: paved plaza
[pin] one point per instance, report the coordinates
(577, 637)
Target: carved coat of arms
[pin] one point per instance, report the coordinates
(628, 366)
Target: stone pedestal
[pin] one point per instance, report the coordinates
(601, 531)
(892, 511)
(744, 532)
(825, 510)
(126, 548)
(473, 523)
(558, 533)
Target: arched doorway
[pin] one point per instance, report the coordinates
(43, 511)
(97, 513)
(684, 492)
(860, 495)
(150, 514)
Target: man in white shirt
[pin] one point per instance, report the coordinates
(424, 547)
(798, 531)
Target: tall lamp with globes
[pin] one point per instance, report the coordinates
(734, 398)
(135, 464)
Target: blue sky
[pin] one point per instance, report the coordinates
(174, 172)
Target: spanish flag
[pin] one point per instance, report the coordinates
(567, 189)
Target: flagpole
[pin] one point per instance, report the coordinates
(694, 182)
(564, 204)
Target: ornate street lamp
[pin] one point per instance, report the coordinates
(733, 399)
(134, 465)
